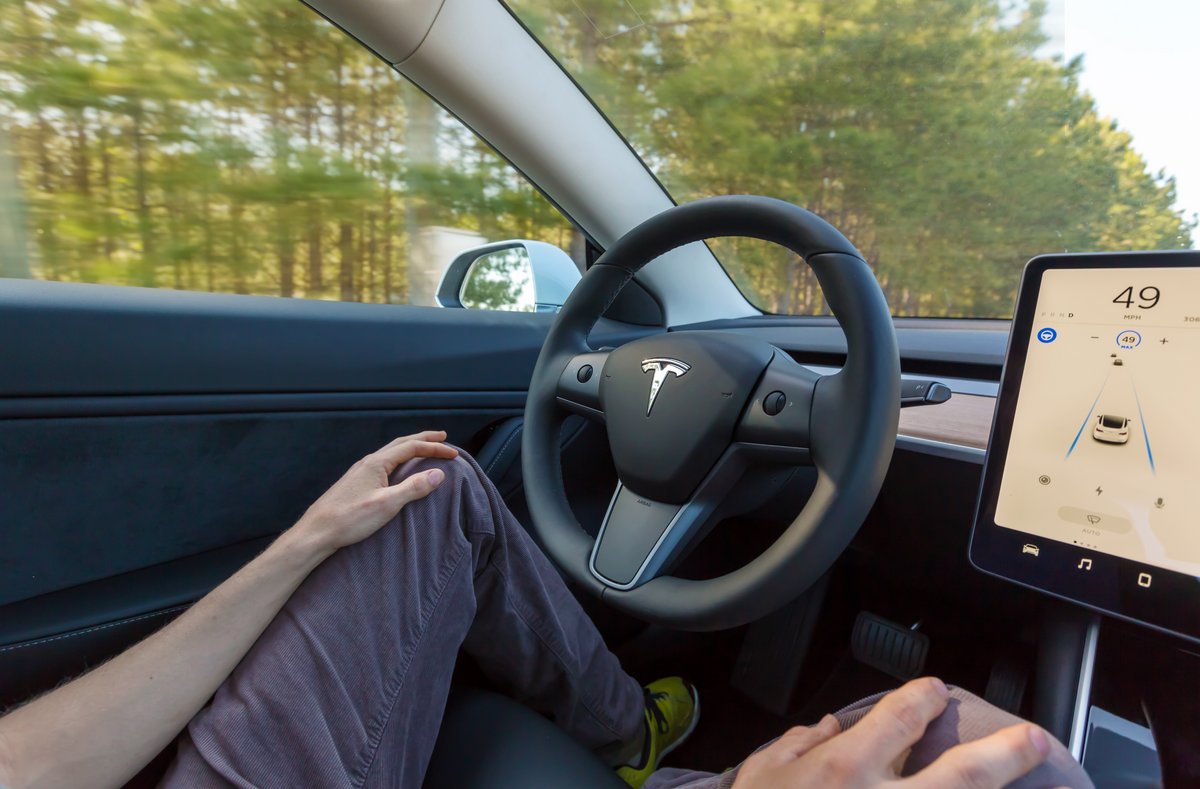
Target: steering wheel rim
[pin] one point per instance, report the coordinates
(851, 420)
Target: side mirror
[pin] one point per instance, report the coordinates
(519, 275)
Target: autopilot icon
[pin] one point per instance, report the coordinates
(1047, 335)
(662, 367)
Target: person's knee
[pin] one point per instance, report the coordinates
(968, 718)
(460, 471)
(462, 495)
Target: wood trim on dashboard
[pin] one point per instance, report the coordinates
(963, 419)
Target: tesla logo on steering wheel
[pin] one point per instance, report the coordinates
(662, 367)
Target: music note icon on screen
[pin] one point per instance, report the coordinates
(1084, 564)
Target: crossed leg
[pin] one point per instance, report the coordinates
(348, 684)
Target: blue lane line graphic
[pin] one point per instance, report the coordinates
(1145, 435)
(1088, 418)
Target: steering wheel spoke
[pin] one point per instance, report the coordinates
(777, 423)
(579, 385)
(641, 539)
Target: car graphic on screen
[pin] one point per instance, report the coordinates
(1111, 429)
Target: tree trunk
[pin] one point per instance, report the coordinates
(14, 248)
(387, 246)
(422, 158)
(174, 227)
(372, 278)
(144, 274)
(237, 253)
(287, 261)
(284, 245)
(346, 261)
(360, 257)
(47, 233)
(106, 183)
(345, 229)
(82, 177)
(209, 247)
(315, 279)
(315, 263)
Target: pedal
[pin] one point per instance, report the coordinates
(888, 647)
(772, 656)
(1006, 684)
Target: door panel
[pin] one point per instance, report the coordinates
(68, 339)
(153, 441)
(89, 498)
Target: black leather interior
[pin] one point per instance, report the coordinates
(500, 456)
(156, 440)
(76, 339)
(151, 489)
(489, 741)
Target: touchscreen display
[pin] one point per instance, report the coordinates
(1105, 438)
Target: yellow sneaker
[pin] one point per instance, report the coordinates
(672, 711)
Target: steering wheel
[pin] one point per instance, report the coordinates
(687, 411)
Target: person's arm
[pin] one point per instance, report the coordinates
(105, 726)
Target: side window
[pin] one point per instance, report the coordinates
(238, 146)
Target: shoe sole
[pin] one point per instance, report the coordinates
(688, 732)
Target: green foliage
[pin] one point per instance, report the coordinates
(243, 146)
(930, 131)
(247, 146)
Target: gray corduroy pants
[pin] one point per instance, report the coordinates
(347, 686)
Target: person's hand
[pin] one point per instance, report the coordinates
(870, 753)
(362, 501)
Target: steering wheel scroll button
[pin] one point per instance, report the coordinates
(780, 410)
(579, 384)
(774, 403)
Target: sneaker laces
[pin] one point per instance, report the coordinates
(660, 719)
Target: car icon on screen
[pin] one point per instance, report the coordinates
(1111, 429)
(1030, 548)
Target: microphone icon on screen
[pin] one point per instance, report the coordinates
(1158, 502)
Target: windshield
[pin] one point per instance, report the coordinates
(951, 140)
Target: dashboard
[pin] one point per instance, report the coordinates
(967, 355)
(1121, 300)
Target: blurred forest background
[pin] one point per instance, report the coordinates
(242, 146)
(247, 146)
